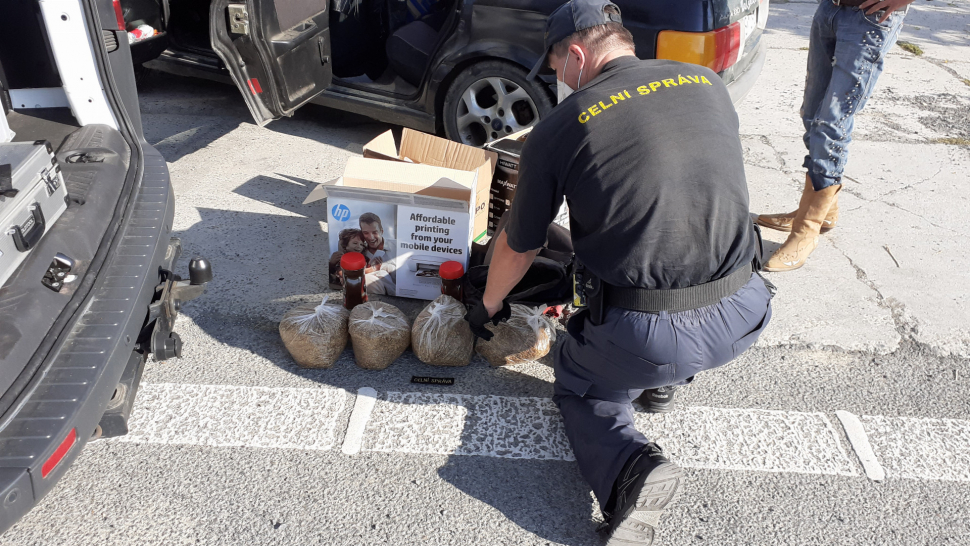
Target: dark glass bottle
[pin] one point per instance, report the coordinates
(452, 274)
(355, 289)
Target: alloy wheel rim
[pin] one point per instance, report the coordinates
(492, 108)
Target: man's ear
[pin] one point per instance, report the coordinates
(581, 55)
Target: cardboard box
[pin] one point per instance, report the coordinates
(506, 179)
(421, 204)
(425, 149)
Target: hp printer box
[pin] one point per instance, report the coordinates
(407, 218)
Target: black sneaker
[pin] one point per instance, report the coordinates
(658, 400)
(645, 487)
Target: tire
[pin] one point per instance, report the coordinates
(474, 115)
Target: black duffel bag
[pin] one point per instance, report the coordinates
(549, 280)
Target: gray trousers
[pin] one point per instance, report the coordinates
(601, 369)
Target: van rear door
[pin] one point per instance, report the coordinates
(277, 51)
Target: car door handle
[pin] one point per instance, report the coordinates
(295, 37)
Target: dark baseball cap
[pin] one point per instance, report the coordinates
(568, 19)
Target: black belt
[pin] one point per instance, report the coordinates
(677, 299)
(849, 3)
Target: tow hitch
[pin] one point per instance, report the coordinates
(158, 336)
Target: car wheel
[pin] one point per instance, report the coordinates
(493, 99)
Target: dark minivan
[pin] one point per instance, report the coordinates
(456, 67)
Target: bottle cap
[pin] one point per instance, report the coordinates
(451, 270)
(352, 261)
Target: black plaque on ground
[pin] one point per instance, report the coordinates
(427, 380)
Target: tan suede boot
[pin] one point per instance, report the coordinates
(783, 222)
(806, 226)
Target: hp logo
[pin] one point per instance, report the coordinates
(340, 213)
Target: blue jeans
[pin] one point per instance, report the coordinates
(601, 369)
(845, 57)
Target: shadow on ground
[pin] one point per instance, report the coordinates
(182, 115)
(548, 498)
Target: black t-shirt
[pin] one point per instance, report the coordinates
(649, 160)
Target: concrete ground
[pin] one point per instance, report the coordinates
(895, 269)
(233, 444)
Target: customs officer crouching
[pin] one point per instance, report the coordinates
(647, 155)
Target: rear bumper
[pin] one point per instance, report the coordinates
(743, 83)
(86, 363)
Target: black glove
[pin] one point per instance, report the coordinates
(478, 317)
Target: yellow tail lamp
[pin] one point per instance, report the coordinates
(717, 49)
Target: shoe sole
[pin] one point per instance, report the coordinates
(782, 269)
(660, 490)
(658, 408)
(788, 229)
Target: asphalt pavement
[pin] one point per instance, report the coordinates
(234, 444)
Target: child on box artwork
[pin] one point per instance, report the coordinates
(349, 240)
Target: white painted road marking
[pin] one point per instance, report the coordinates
(492, 426)
(223, 415)
(530, 428)
(856, 434)
(749, 439)
(366, 397)
(926, 449)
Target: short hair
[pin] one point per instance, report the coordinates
(346, 235)
(599, 39)
(370, 218)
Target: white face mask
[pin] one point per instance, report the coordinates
(563, 90)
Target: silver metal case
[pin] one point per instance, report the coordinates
(32, 198)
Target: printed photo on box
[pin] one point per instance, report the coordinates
(368, 228)
(410, 208)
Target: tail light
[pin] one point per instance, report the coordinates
(718, 49)
(59, 453)
(118, 14)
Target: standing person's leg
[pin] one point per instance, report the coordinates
(818, 71)
(818, 74)
(860, 49)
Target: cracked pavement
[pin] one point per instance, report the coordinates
(895, 262)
